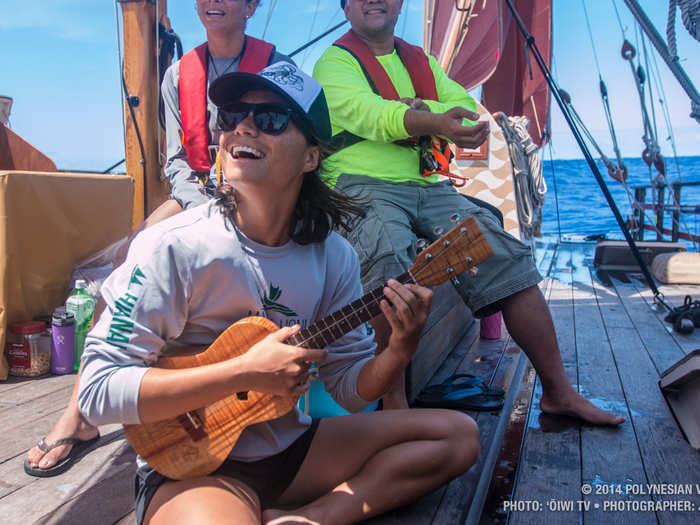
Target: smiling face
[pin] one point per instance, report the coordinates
(373, 18)
(229, 15)
(277, 163)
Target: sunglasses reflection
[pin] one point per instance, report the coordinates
(270, 118)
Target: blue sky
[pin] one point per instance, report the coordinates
(59, 62)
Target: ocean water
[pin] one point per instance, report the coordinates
(583, 210)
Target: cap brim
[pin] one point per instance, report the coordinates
(230, 87)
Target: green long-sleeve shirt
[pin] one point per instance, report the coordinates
(354, 107)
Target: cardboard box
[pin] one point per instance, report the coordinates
(49, 222)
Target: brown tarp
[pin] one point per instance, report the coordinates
(48, 223)
(493, 55)
(510, 89)
(477, 57)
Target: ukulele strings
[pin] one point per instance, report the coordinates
(373, 301)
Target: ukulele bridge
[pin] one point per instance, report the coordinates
(193, 425)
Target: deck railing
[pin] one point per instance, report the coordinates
(660, 209)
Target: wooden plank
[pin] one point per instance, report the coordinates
(449, 320)
(609, 456)
(422, 511)
(550, 466)
(39, 498)
(36, 408)
(667, 457)
(39, 387)
(674, 296)
(459, 497)
(503, 477)
(493, 360)
(12, 472)
(662, 347)
(104, 502)
(25, 434)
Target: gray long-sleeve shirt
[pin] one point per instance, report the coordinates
(186, 280)
(185, 183)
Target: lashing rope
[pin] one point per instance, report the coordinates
(529, 184)
(690, 15)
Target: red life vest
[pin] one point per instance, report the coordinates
(416, 63)
(257, 54)
(414, 60)
(412, 57)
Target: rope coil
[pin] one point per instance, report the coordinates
(529, 184)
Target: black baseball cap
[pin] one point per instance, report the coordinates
(303, 93)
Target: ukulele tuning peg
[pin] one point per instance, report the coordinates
(454, 218)
(421, 244)
(469, 260)
(456, 281)
(438, 230)
(473, 271)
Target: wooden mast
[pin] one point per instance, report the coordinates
(141, 79)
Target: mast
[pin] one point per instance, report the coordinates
(457, 28)
(140, 81)
(680, 74)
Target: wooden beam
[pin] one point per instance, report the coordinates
(144, 141)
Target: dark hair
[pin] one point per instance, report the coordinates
(319, 209)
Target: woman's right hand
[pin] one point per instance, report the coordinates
(273, 367)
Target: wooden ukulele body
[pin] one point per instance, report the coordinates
(197, 443)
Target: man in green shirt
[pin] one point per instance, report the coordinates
(403, 205)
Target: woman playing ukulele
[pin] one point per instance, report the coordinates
(265, 247)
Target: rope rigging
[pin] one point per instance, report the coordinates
(652, 152)
(619, 171)
(528, 180)
(690, 15)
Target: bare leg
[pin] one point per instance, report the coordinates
(529, 322)
(395, 397)
(70, 424)
(389, 459)
(204, 500)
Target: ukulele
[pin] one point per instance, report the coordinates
(196, 443)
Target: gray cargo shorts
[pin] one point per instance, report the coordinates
(400, 213)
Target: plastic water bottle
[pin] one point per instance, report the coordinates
(82, 306)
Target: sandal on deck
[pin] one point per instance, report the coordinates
(465, 398)
(462, 379)
(63, 464)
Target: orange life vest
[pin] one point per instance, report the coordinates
(192, 86)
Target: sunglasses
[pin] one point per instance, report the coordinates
(268, 117)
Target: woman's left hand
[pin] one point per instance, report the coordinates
(406, 307)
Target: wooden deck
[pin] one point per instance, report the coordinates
(614, 345)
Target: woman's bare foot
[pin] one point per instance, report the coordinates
(70, 424)
(575, 405)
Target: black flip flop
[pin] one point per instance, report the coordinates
(463, 379)
(79, 446)
(466, 398)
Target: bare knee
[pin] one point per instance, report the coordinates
(462, 437)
